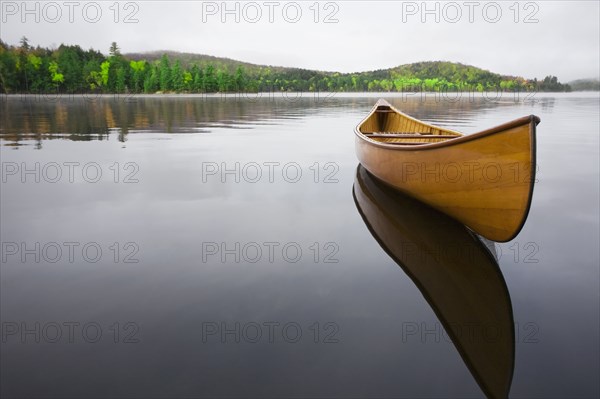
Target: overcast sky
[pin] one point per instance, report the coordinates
(530, 39)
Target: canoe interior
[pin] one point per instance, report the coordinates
(386, 125)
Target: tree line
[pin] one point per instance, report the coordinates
(69, 68)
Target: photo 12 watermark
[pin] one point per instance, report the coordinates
(468, 252)
(54, 12)
(519, 252)
(270, 332)
(453, 12)
(270, 172)
(70, 332)
(252, 12)
(89, 96)
(269, 252)
(427, 91)
(83, 93)
(69, 172)
(468, 172)
(68, 252)
(471, 332)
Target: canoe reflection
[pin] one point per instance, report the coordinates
(456, 272)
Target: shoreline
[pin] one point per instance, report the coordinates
(306, 94)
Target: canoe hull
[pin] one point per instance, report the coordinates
(484, 180)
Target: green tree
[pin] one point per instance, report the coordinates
(386, 85)
(121, 80)
(198, 76)
(177, 82)
(57, 77)
(151, 81)
(114, 50)
(240, 79)
(165, 74)
(24, 42)
(8, 70)
(70, 61)
(223, 80)
(138, 68)
(104, 72)
(210, 81)
(187, 81)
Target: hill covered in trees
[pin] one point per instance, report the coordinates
(585, 85)
(69, 68)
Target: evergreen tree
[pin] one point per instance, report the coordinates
(177, 82)
(165, 74)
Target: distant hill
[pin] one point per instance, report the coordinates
(429, 75)
(585, 85)
(69, 68)
(423, 70)
(189, 59)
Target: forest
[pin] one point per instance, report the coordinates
(70, 69)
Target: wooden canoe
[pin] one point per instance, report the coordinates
(484, 180)
(456, 272)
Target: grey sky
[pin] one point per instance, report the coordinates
(559, 37)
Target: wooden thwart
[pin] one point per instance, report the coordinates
(411, 135)
(405, 143)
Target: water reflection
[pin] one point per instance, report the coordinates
(456, 272)
(85, 118)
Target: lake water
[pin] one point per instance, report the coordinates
(202, 246)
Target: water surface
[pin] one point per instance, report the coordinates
(234, 261)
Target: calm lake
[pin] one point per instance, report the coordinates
(228, 246)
